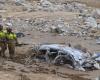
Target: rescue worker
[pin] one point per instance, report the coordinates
(11, 42)
(3, 46)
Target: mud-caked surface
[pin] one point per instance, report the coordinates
(49, 21)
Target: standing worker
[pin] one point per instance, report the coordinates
(11, 41)
(3, 45)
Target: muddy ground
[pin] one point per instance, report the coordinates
(16, 69)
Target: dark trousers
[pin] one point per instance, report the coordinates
(3, 47)
(11, 48)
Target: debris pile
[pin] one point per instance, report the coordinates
(42, 24)
(80, 25)
(77, 26)
(45, 5)
(62, 54)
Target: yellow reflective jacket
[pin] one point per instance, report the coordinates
(2, 34)
(11, 36)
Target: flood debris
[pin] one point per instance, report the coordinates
(98, 41)
(96, 56)
(76, 26)
(91, 22)
(20, 34)
(46, 5)
(97, 78)
(96, 13)
(61, 54)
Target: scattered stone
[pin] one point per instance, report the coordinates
(91, 22)
(98, 41)
(19, 2)
(98, 26)
(46, 5)
(2, 1)
(96, 13)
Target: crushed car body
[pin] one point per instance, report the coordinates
(61, 54)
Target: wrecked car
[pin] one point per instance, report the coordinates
(62, 54)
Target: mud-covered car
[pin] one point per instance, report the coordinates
(62, 54)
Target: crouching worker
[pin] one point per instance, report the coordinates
(11, 42)
(3, 45)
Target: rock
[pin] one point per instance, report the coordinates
(2, 1)
(96, 13)
(46, 5)
(19, 2)
(98, 26)
(2, 7)
(56, 30)
(27, 7)
(98, 41)
(91, 22)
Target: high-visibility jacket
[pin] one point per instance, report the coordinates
(2, 35)
(2, 38)
(11, 36)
